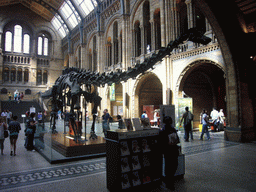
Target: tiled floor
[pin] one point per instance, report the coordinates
(215, 165)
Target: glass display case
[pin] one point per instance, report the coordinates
(62, 144)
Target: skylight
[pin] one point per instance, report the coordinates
(58, 26)
(86, 6)
(70, 14)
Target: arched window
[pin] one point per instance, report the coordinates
(90, 59)
(94, 54)
(157, 29)
(121, 47)
(26, 75)
(6, 74)
(147, 26)
(8, 41)
(13, 74)
(17, 39)
(109, 52)
(39, 77)
(115, 42)
(199, 19)
(137, 39)
(43, 45)
(26, 44)
(182, 8)
(19, 75)
(45, 77)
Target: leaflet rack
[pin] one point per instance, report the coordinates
(133, 159)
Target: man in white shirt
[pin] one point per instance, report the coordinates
(205, 122)
(4, 113)
(214, 115)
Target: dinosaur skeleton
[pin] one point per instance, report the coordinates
(67, 89)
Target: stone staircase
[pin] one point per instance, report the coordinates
(19, 108)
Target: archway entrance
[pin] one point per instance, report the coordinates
(148, 92)
(115, 99)
(204, 82)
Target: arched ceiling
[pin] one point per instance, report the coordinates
(47, 9)
(65, 15)
(44, 8)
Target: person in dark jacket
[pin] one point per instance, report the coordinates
(170, 152)
(30, 131)
(14, 129)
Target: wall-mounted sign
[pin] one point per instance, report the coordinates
(112, 92)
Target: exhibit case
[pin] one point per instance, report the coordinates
(63, 145)
(133, 159)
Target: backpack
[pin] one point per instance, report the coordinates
(190, 116)
(173, 138)
(110, 119)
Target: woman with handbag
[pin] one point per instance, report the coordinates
(168, 139)
(3, 134)
(14, 129)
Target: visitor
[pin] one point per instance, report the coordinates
(10, 96)
(3, 127)
(188, 118)
(156, 117)
(105, 122)
(59, 114)
(4, 113)
(170, 150)
(205, 122)
(21, 96)
(144, 115)
(120, 122)
(8, 116)
(14, 129)
(40, 117)
(18, 98)
(214, 115)
(221, 118)
(30, 131)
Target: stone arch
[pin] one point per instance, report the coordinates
(12, 19)
(205, 82)
(221, 29)
(109, 25)
(141, 83)
(188, 69)
(134, 11)
(48, 30)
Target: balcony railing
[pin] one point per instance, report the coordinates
(16, 59)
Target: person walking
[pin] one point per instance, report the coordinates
(105, 122)
(221, 120)
(4, 113)
(188, 118)
(59, 114)
(10, 96)
(214, 115)
(14, 129)
(168, 139)
(18, 98)
(31, 129)
(205, 122)
(3, 127)
(21, 96)
(8, 116)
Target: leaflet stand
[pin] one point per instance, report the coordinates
(133, 160)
